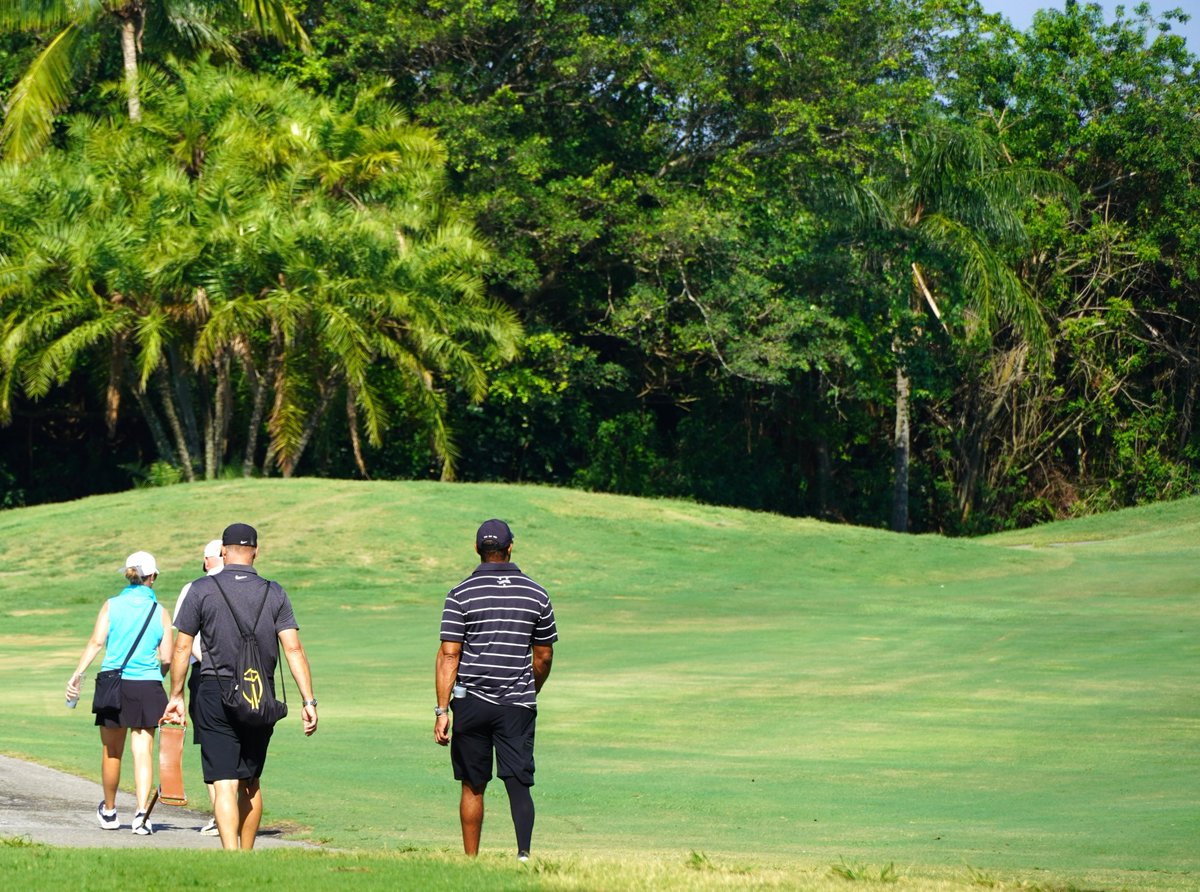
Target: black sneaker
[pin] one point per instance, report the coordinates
(522, 856)
(108, 819)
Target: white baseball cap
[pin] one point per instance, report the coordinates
(143, 562)
(213, 548)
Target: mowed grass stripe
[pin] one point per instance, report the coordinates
(729, 682)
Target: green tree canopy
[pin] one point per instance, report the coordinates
(81, 31)
(246, 244)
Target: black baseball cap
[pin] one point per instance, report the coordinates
(240, 534)
(493, 534)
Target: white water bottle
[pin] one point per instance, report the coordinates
(72, 702)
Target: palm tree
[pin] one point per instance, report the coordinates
(171, 26)
(73, 291)
(246, 245)
(946, 220)
(87, 277)
(345, 261)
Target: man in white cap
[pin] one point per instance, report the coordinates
(213, 562)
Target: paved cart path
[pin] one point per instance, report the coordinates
(55, 808)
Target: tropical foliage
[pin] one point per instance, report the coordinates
(887, 261)
(88, 28)
(245, 247)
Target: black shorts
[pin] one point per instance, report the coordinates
(193, 684)
(142, 705)
(480, 729)
(228, 751)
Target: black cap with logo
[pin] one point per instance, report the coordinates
(493, 535)
(240, 534)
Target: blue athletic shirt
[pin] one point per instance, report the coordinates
(126, 613)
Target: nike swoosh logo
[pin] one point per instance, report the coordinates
(239, 577)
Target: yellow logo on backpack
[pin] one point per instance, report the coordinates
(252, 690)
(249, 701)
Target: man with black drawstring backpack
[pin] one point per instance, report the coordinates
(218, 608)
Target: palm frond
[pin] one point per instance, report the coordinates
(229, 321)
(993, 289)
(273, 18)
(56, 363)
(152, 334)
(286, 422)
(38, 96)
(373, 411)
(198, 33)
(34, 15)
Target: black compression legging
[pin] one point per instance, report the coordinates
(520, 802)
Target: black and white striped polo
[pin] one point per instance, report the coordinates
(498, 613)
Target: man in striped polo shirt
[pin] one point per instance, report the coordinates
(498, 637)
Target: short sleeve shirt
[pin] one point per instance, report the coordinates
(204, 612)
(498, 614)
(126, 615)
(183, 593)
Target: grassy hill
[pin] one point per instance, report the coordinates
(730, 687)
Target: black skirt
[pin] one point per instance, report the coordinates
(142, 705)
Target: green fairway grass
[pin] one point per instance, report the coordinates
(41, 867)
(738, 699)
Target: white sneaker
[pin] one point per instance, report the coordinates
(210, 829)
(108, 819)
(141, 826)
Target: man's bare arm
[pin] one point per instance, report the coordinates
(298, 664)
(444, 673)
(179, 663)
(179, 667)
(543, 659)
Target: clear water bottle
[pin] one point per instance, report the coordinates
(72, 702)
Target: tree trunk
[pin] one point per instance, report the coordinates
(824, 476)
(971, 459)
(973, 432)
(216, 419)
(289, 462)
(159, 435)
(1189, 399)
(184, 404)
(210, 442)
(129, 53)
(355, 442)
(269, 458)
(112, 397)
(258, 390)
(274, 383)
(224, 411)
(256, 417)
(185, 457)
(210, 436)
(275, 377)
(903, 446)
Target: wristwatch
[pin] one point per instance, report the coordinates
(310, 702)
(441, 710)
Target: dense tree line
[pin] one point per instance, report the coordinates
(883, 261)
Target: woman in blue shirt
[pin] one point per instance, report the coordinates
(143, 699)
